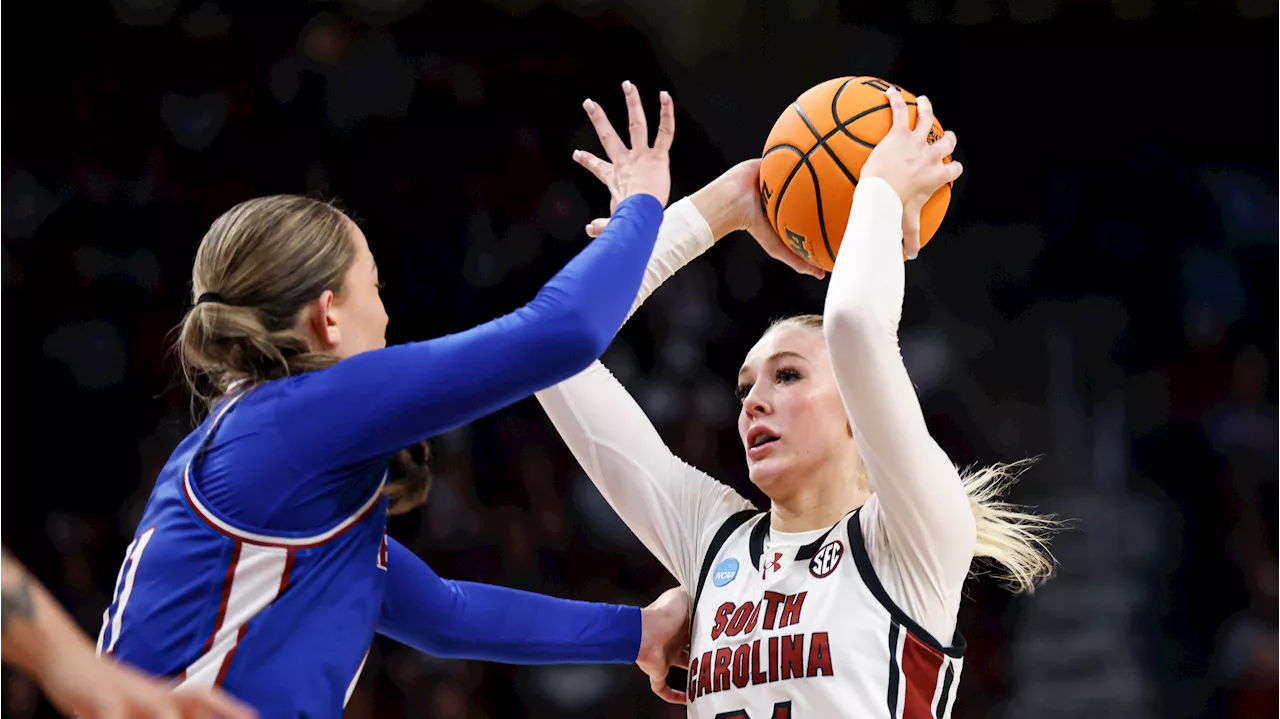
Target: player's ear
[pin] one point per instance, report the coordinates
(322, 321)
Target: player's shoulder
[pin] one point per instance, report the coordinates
(869, 517)
(905, 587)
(709, 501)
(732, 526)
(724, 506)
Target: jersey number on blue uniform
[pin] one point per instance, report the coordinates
(124, 588)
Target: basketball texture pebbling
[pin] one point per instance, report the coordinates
(814, 155)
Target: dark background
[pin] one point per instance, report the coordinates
(1102, 293)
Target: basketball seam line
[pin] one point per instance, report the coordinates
(804, 157)
(818, 136)
(817, 193)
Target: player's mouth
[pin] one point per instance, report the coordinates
(760, 442)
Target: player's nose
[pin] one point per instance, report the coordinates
(756, 402)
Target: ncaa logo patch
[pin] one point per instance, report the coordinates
(725, 572)
(826, 560)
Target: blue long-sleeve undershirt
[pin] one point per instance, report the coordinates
(467, 620)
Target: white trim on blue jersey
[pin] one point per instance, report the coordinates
(264, 540)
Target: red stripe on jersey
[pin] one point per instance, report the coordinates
(256, 577)
(920, 666)
(231, 654)
(226, 596)
(288, 569)
(244, 628)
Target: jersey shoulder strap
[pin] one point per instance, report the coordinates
(858, 546)
(734, 521)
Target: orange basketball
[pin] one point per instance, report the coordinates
(814, 155)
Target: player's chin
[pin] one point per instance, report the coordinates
(765, 472)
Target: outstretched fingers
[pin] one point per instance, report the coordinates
(601, 169)
(638, 169)
(637, 125)
(613, 147)
(666, 122)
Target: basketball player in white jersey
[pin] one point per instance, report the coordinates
(841, 600)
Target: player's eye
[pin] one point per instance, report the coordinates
(381, 285)
(786, 374)
(742, 391)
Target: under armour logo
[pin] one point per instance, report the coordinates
(772, 565)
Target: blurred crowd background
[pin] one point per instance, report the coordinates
(1102, 294)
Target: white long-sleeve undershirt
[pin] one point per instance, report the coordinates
(918, 526)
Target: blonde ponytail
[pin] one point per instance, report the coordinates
(1014, 542)
(263, 261)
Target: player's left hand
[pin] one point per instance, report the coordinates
(641, 168)
(664, 641)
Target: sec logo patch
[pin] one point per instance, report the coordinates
(725, 572)
(826, 560)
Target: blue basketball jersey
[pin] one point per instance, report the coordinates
(282, 622)
(283, 619)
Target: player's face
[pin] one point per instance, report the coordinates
(357, 311)
(792, 420)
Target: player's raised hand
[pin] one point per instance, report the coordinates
(664, 641)
(912, 166)
(641, 168)
(741, 188)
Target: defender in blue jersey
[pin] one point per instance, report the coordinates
(261, 563)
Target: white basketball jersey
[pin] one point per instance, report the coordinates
(806, 631)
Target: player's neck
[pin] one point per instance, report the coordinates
(817, 504)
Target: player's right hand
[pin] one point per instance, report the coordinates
(640, 168)
(912, 166)
(742, 181)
